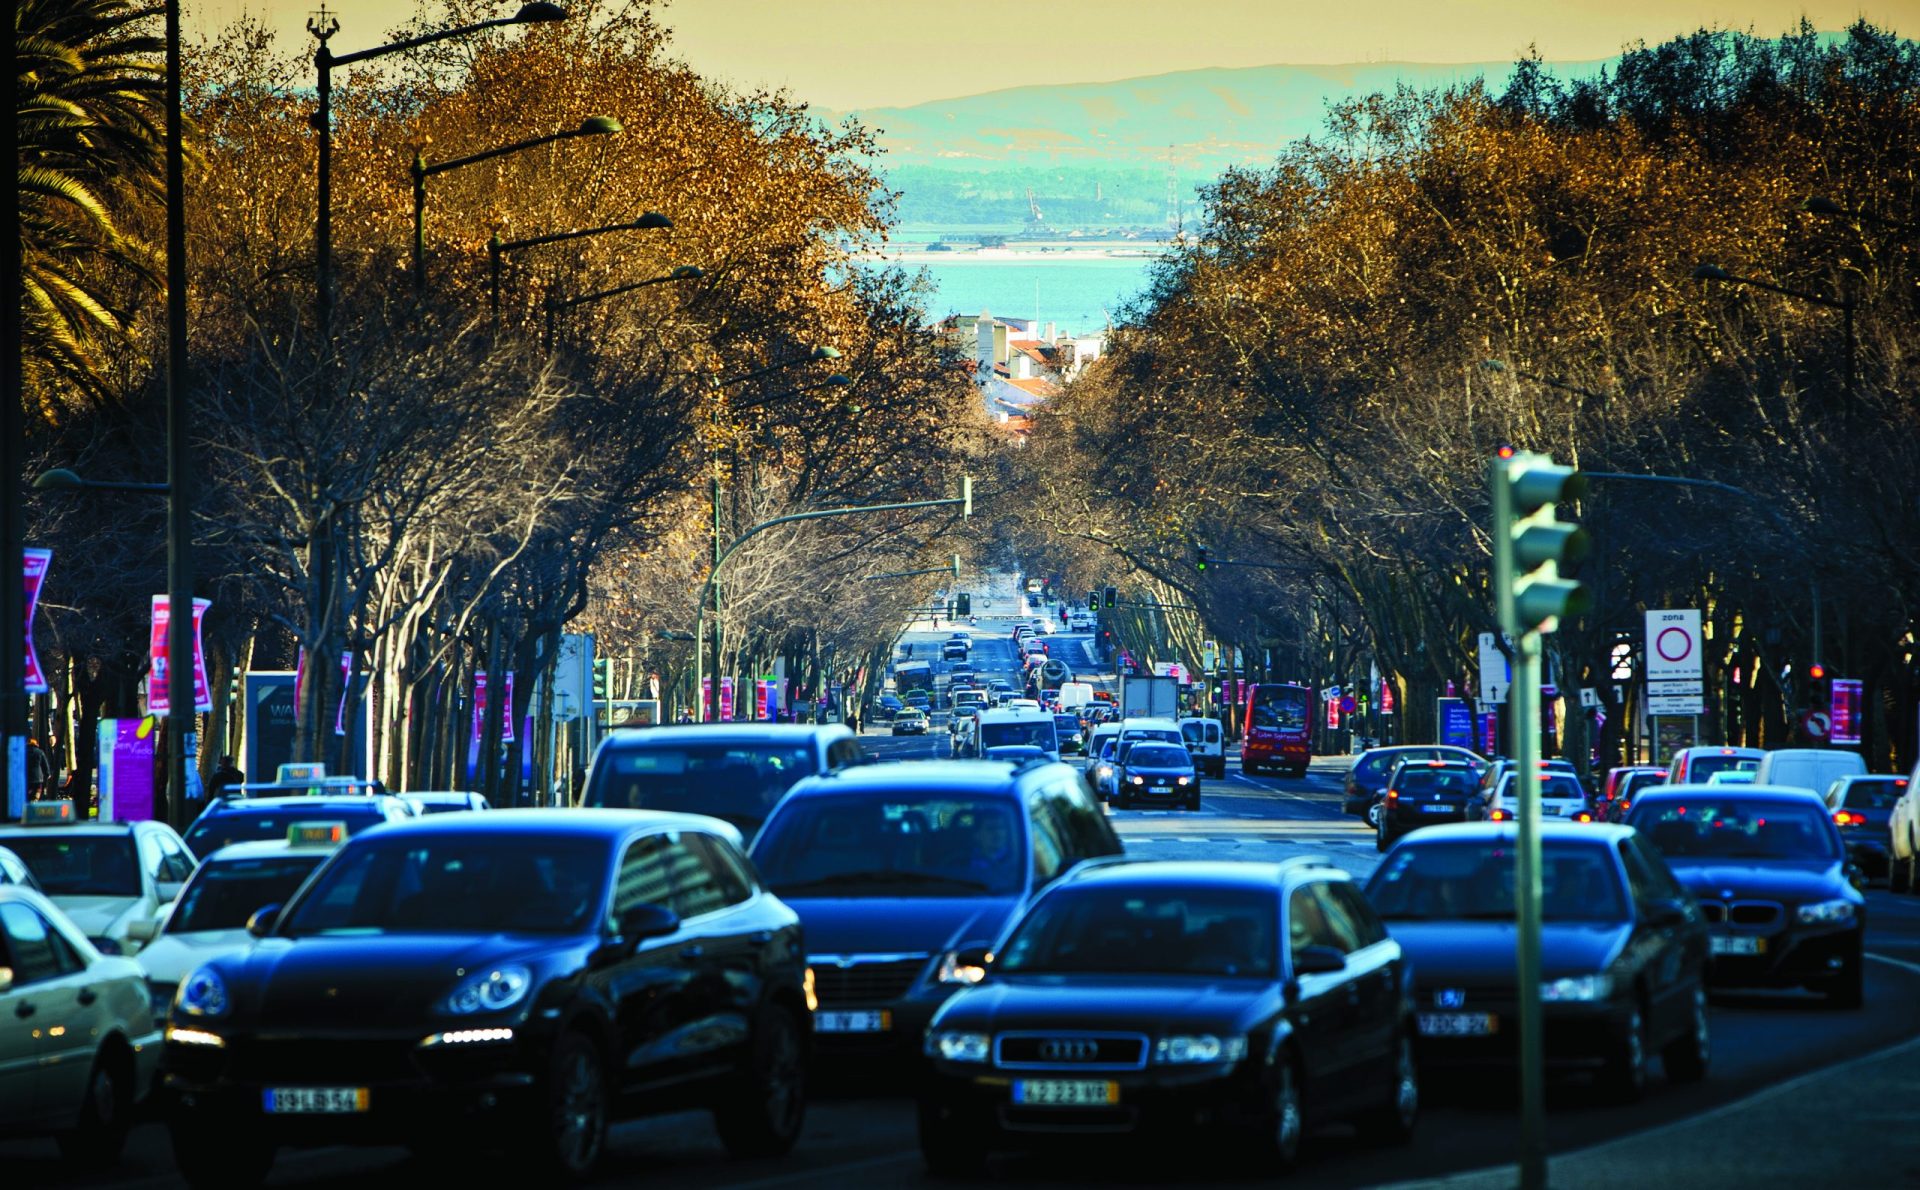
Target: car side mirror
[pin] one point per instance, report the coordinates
(143, 931)
(6, 980)
(263, 920)
(167, 890)
(1319, 960)
(647, 920)
(1666, 913)
(1856, 876)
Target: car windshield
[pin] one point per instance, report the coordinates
(1037, 732)
(1158, 756)
(1735, 828)
(68, 865)
(893, 844)
(1553, 786)
(1470, 880)
(1874, 795)
(437, 807)
(1067, 724)
(740, 781)
(223, 894)
(1155, 929)
(1638, 781)
(215, 831)
(455, 884)
(1703, 767)
(1430, 780)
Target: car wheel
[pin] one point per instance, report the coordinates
(1625, 1077)
(575, 1131)
(949, 1147)
(1248, 769)
(1380, 840)
(1373, 815)
(1848, 989)
(1685, 1057)
(1393, 1121)
(762, 1116)
(105, 1115)
(1900, 876)
(1289, 1125)
(219, 1158)
(1299, 772)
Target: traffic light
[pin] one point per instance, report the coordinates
(1093, 601)
(1200, 557)
(963, 603)
(1817, 671)
(602, 678)
(1112, 596)
(1530, 546)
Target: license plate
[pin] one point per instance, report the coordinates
(1458, 1024)
(852, 1022)
(1739, 944)
(1065, 1092)
(1438, 808)
(315, 1100)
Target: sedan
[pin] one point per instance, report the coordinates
(1771, 873)
(1863, 810)
(910, 722)
(1623, 950)
(105, 876)
(515, 979)
(1249, 1000)
(1157, 772)
(1427, 793)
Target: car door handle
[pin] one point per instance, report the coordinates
(87, 996)
(23, 1010)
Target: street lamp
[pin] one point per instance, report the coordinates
(1820, 204)
(323, 25)
(1713, 272)
(651, 221)
(684, 272)
(591, 126)
(1501, 366)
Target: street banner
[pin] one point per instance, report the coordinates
(1844, 711)
(480, 708)
(346, 683)
(157, 700)
(726, 699)
(1489, 734)
(1456, 722)
(35, 563)
(126, 769)
(1386, 696)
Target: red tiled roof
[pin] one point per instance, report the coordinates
(1037, 386)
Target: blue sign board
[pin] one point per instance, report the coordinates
(1456, 722)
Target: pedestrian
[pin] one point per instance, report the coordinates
(39, 771)
(225, 777)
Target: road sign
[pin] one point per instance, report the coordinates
(1347, 704)
(1673, 686)
(1331, 693)
(1815, 724)
(1673, 645)
(1496, 672)
(1846, 703)
(1680, 705)
(1589, 697)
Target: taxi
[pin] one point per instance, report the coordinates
(210, 917)
(105, 876)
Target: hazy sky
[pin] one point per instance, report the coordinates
(874, 53)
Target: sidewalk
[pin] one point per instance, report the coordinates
(1852, 1123)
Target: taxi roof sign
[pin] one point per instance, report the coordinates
(300, 772)
(48, 813)
(316, 833)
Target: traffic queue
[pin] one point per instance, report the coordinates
(730, 909)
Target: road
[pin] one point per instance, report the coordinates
(865, 1134)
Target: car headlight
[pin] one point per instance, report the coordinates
(1103, 771)
(956, 1046)
(202, 994)
(1577, 989)
(1137, 780)
(1183, 780)
(490, 991)
(952, 970)
(1825, 911)
(1190, 1048)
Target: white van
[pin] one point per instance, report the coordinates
(1814, 769)
(1009, 726)
(1207, 744)
(1074, 695)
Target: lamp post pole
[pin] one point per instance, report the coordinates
(1713, 272)
(13, 520)
(181, 739)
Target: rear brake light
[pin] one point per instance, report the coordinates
(1848, 818)
(1583, 816)
(1498, 816)
(1393, 795)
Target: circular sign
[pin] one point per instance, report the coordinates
(1815, 724)
(1347, 705)
(1673, 644)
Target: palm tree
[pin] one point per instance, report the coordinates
(89, 116)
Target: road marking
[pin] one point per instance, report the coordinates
(789, 1179)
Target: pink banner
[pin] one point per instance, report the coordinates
(346, 683)
(158, 702)
(726, 699)
(480, 707)
(36, 562)
(1845, 708)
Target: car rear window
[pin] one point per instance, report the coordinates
(212, 833)
(1874, 795)
(1426, 780)
(1157, 756)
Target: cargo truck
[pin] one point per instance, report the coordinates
(1153, 696)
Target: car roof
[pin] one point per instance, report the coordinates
(1767, 793)
(957, 776)
(1265, 875)
(700, 733)
(20, 830)
(321, 806)
(1015, 714)
(1153, 721)
(1726, 750)
(579, 822)
(1599, 832)
(267, 849)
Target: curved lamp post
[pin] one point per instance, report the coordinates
(684, 272)
(1713, 272)
(651, 221)
(591, 126)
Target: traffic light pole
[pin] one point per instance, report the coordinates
(1526, 871)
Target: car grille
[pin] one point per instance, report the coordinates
(1082, 1051)
(1742, 913)
(865, 981)
(348, 1062)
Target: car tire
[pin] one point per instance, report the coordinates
(762, 1115)
(105, 1115)
(1625, 1077)
(1393, 1121)
(1686, 1056)
(1381, 841)
(1373, 815)
(1900, 876)
(1280, 1152)
(950, 1148)
(219, 1158)
(1847, 991)
(566, 1145)
(1249, 770)
(1299, 772)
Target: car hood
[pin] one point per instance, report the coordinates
(1141, 770)
(1791, 881)
(98, 917)
(387, 980)
(1479, 953)
(1145, 1004)
(170, 958)
(900, 925)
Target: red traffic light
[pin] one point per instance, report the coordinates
(1816, 671)
(1504, 450)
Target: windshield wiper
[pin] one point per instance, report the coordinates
(846, 879)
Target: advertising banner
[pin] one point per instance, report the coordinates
(35, 563)
(726, 699)
(126, 769)
(1456, 722)
(1845, 710)
(1386, 696)
(157, 701)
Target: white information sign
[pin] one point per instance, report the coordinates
(1673, 646)
(1496, 672)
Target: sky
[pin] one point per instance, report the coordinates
(847, 54)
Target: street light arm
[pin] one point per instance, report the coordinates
(414, 43)
(818, 353)
(647, 222)
(1708, 272)
(440, 167)
(686, 272)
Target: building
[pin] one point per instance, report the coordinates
(1019, 364)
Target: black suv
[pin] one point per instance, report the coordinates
(1142, 998)
(899, 868)
(1367, 779)
(1427, 793)
(514, 978)
(236, 819)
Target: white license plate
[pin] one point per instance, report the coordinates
(1438, 808)
(315, 1100)
(1458, 1024)
(1065, 1092)
(852, 1022)
(1739, 944)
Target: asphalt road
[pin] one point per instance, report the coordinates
(864, 1133)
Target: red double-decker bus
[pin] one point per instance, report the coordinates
(1278, 729)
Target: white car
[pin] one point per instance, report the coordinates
(104, 876)
(1206, 744)
(79, 1044)
(1904, 870)
(1561, 796)
(210, 917)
